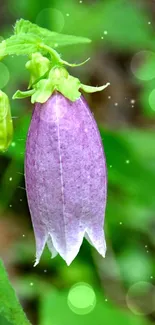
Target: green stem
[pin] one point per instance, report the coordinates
(57, 57)
(54, 54)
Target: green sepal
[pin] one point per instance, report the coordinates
(23, 94)
(57, 79)
(74, 64)
(90, 89)
(43, 90)
(38, 66)
(6, 125)
(69, 87)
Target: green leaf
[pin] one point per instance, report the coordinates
(52, 39)
(23, 44)
(23, 94)
(9, 304)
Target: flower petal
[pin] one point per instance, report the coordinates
(66, 176)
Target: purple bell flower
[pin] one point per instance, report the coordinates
(65, 174)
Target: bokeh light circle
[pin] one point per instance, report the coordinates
(51, 18)
(81, 298)
(140, 298)
(152, 99)
(143, 65)
(4, 75)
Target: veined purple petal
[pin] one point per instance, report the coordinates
(65, 177)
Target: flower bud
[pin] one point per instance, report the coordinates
(6, 126)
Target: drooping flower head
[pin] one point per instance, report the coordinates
(65, 176)
(65, 169)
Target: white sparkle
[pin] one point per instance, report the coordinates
(31, 284)
(132, 101)
(105, 32)
(109, 97)
(67, 14)
(116, 104)
(10, 179)
(127, 161)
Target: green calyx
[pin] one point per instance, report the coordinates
(46, 67)
(6, 126)
(46, 77)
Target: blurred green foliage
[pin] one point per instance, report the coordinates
(122, 29)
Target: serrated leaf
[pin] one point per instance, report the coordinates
(60, 40)
(9, 304)
(23, 44)
(50, 38)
